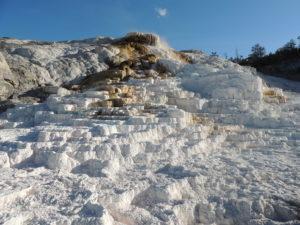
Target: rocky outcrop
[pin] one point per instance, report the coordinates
(140, 38)
(134, 132)
(28, 65)
(7, 79)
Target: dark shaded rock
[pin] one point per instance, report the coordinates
(4, 105)
(177, 172)
(40, 94)
(98, 104)
(118, 102)
(184, 57)
(92, 168)
(141, 38)
(98, 78)
(92, 210)
(150, 58)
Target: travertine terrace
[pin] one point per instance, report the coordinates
(130, 131)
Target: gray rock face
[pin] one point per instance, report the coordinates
(5, 72)
(25, 65)
(6, 90)
(6, 79)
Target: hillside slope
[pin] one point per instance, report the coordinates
(132, 132)
(283, 63)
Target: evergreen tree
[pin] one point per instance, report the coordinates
(290, 45)
(257, 51)
(214, 54)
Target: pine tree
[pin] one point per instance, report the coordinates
(214, 54)
(290, 45)
(257, 51)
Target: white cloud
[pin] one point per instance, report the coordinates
(161, 12)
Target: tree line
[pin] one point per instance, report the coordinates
(258, 51)
(284, 62)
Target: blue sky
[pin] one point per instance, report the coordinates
(210, 25)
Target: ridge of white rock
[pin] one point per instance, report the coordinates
(34, 64)
(212, 145)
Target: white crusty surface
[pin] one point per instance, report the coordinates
(212, 145)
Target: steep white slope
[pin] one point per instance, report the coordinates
(212, 145)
